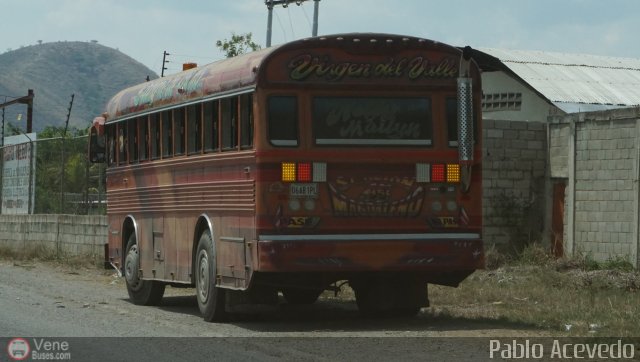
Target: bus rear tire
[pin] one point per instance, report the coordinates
(141, 292)
(211, 299)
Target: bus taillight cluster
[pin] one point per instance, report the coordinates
(317, 172)
(438, 172)
(304, 172)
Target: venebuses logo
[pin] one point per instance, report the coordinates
(18, 349)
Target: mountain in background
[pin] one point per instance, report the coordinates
(54, 71)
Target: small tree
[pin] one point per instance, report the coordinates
(238, 44)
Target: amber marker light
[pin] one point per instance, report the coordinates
(453, 172)
(288, 172)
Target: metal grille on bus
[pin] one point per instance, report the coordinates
(465, 117)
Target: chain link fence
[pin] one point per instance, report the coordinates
(61, 181)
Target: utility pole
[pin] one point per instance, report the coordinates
(29, 111)
(271, 3)
(164, 63)
(64, 135)
(28, 100)
(2, 139)
(316, 6)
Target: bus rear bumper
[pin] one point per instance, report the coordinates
(363, 253)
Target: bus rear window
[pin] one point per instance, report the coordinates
(372, 121)
(283, 121)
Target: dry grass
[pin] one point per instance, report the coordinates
(39, 253)
(577, 297)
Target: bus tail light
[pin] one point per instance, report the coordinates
(423, 172)
(288, 172)
(304, 172)
(453, 172)
(438, 173)
(319, 172)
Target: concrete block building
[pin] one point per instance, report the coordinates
(561, 151)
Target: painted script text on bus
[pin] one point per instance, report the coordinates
(376, 121)
(306, 65)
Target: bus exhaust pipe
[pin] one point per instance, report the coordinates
(465, 119)
(465, 109)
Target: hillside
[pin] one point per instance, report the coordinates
(54, 71)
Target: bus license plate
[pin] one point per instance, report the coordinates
(303, 190)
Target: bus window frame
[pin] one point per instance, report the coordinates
(143, 123)
(111, 138)
(198, 136)
(166, 134)
(155, 143)
(233, 123)
(132, 144)
(122, 140)
(179, 131)
(246, 119)
(215, 126)
(296, 123)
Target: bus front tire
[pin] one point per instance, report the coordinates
(211, 299)
(141, 292)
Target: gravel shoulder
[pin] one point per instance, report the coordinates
(58, 302)
(41, 298)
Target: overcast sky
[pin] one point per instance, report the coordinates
(188, 29)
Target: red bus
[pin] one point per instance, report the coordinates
(351, 157)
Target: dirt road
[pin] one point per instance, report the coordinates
(49, 300)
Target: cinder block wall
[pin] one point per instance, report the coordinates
(514, 169)
(602, 181)
(605, 188)
(62, 234)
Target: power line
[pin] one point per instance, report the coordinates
(307, 17)
(293, 33)
(284, 32)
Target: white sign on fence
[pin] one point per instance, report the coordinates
(19, 174)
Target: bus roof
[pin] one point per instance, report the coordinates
(238, 74)
(222, 76)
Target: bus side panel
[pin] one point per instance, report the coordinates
(232, 235)
(114, 238)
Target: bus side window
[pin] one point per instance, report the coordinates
(111, 144)
(122, 143)
(283, 121)
(211, 126)
(229, 123)
(246, 121)
(194, 126)
(167, 134)
(178, 130)
(154, 135)
(143, 126)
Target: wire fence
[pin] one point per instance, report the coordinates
(51, 176)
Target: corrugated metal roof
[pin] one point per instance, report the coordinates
(575, 78)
